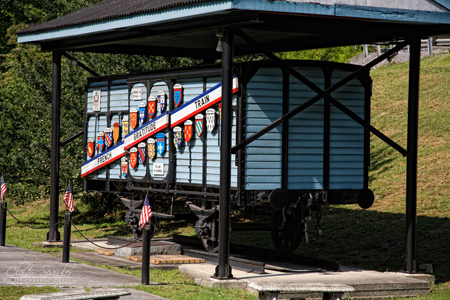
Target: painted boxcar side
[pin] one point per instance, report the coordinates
(319, 149)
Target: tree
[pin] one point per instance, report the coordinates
(25, 98)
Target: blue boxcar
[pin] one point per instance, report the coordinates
(318, 156)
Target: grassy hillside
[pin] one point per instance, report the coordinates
(389, 103)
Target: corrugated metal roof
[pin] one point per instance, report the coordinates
(109, 9)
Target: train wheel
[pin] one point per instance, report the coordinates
(286, 233)
(211, 241)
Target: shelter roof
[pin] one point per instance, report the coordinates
(189, 27)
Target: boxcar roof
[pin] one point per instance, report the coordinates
(189, 27)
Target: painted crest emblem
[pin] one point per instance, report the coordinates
(116, 132)
(151, 146)
(177, 139)
(187, 130)
(141, 153)
(90, 147)
(141, 113)
(220, 111)
(161, 98)
(210, 119)
(151, 107)
(133, 157)
(96, 100)
(108, 137)
(177, 94)
(125, 126)
(100, 141)
(124, 165)
(160, 143)
(133, 118)
(199, 125)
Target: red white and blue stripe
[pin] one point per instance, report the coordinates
(199, 103)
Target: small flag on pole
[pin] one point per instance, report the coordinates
(68, 199)
(4, 189)
(146, 213)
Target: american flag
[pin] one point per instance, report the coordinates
(4, 189)
(146, 213)
(68, 198)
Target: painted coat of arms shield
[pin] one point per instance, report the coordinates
(160, 143)
(177, 94)
(100, 141)
(188, 131)
(141, 113)
(108, 137)
(199, 125)
(177, 138)
(125, 126)
(151, 147)
(90, 147)
(210, 119)
(151, 107)
(161, 98)
(133, 157)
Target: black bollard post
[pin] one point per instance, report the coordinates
(145, 277)
(3, 224)
(66, 242)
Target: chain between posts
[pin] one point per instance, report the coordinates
(23, 223)
(97, 245)
(87, 239)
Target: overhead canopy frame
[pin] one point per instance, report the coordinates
(190, 28)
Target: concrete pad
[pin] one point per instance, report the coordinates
(135, 294)
(80, 294)
(367, 284)
(95, 258)
(157, 247)
(46, 244)
(23, 267)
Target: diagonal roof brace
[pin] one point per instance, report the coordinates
(320, 94)
(80, 64)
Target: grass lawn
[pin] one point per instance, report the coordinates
(372, 238)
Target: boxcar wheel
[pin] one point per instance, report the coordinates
(286, 233)
(210, 241)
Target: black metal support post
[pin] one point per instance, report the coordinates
(3, 223)
(145, 275)
(223, 269)
(411, 162)
(53, 233)
(66, 242)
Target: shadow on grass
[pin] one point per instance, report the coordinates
(370, 240)
(381, 159)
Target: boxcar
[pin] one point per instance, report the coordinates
(158, 134)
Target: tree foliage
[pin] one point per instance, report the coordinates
(25, 97)
(337, 54)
